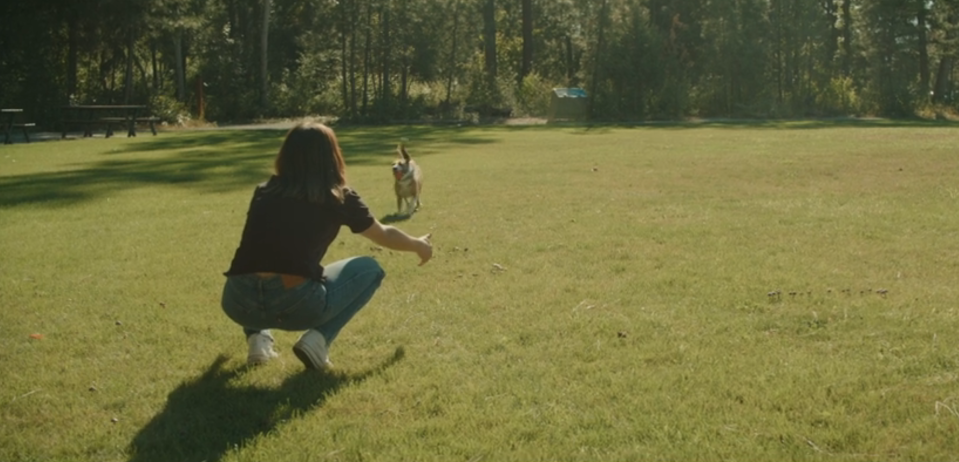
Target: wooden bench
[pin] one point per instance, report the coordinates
(486, 110)
(22, 126)
(8, 123)
(106, 116)
(151, 121)
(86, 124)
(110, 122)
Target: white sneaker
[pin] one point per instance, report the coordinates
(261, 348)
(312, 350)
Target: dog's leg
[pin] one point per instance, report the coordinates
(419, 190)
(399, 205)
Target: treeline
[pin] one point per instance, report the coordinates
(390, 60)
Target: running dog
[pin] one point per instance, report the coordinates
(407, 182)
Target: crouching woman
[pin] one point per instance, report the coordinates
(276, 281)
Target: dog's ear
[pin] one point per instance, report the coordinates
(402, 151)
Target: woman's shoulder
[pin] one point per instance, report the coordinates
(271, 181)
(352, 196)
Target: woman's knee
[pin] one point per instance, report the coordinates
(363, 267)
(371, 266)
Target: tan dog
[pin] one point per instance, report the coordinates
(408, 182)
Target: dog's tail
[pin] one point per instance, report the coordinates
(401, 149)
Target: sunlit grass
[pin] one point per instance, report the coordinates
(674, 292)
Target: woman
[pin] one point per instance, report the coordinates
(276, 279)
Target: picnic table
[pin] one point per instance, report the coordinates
(106, 116)
(8, 121)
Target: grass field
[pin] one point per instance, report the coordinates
(774, 291)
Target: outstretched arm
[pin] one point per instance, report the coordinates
(394, 238)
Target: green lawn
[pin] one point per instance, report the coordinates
(746, 292)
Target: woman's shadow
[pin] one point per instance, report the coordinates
(206, 417)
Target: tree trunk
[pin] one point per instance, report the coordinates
(489, 38)
(452, 58)
(178, 60)
(344, 61)
(948, 59)
(942, 79)
(72, 52)
(128, 68)
(366, 59)
(527, 64)
(200, 99)
(404, 61)
(387, 56)
(923, 51)
(264, 55)
(354, 20)
(778, 52)
(155, 68)
(598, 56)
(846, 37)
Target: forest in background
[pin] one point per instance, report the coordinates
(382, 61)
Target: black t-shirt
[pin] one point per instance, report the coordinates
(290, 236)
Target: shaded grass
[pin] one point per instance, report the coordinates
(717, 292)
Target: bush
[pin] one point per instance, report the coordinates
(839, 97)
(169, 110)
(533, 96)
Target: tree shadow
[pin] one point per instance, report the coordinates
(774, 124)
(206, 161)
(208, 416)
(203, 170)
(360, 144)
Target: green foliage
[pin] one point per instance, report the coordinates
(483, 91)
(839, 98)
(169, 110)
(638, 59)
(622, 80)
(303, 93)
(533, 96)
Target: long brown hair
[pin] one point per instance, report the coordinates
(310, 165)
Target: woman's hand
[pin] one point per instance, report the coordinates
(394, 238)
(425, 249)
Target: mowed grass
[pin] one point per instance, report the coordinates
(667, 292)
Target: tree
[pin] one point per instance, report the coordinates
(489, 39)
(264, 55)
(946, 19)
(923, 46)
(527, 64)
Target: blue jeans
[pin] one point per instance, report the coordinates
(258, 304)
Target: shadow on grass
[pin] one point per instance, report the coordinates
(776, 124)
(207, 417)
(394, 218)
(231, 159)
(207, 161)
(203, 170)
(360, 144)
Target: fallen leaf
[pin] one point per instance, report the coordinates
(36, 336)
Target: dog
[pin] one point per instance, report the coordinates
(407, 182)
